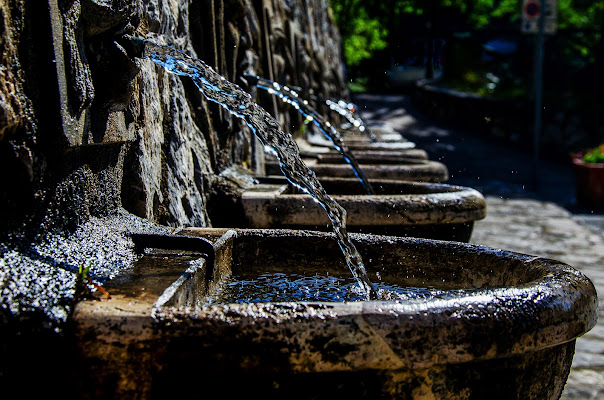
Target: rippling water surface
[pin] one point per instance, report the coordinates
(281, 287)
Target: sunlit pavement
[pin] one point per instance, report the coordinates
(526, 212)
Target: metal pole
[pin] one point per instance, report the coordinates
(538, 82)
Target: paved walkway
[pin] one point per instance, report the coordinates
(526, 212)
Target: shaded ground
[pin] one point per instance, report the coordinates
(527, 212)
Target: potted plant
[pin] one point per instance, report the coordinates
(589, 170)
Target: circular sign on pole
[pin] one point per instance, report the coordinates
(532, 9)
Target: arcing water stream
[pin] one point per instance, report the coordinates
(290, 96)
(230, 96)
(348, 111)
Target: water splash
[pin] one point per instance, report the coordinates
(230, 96)
(290, 96)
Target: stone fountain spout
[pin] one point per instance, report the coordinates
(133, 46)
(252, 80)
(219, 90)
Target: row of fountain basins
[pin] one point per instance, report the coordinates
(270, 309)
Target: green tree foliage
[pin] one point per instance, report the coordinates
(480, 13)
(368, 25)
(362, 35)
(586, 20)
(579, 14)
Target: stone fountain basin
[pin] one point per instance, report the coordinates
(356, 139)
(369, 156)
(503, 326)
(310, 151)
(434, 211)
(381, 130)
(409, 170)
(382, 137)
(364, 144)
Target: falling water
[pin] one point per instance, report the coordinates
(290, 96)
(348, 111)
(230, 96)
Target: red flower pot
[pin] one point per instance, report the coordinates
(590, 184)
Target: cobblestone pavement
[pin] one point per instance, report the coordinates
(527, 212)
(546, 229)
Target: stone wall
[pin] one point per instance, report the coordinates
(66, 84)
(96, 145)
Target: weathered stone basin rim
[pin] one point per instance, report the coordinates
(369, 157)
(382, 138)
(407, 170)
(362, 143)
(497, 307)
(402, 144)
(449, 210)
(310, 151)
(403, 168)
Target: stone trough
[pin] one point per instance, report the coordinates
(327, 154)
(408, 170)
(469, 322)
(369, 157)
(378, 160)
(324, 147)
(356, 144)
(355, 138)
(434, 211)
